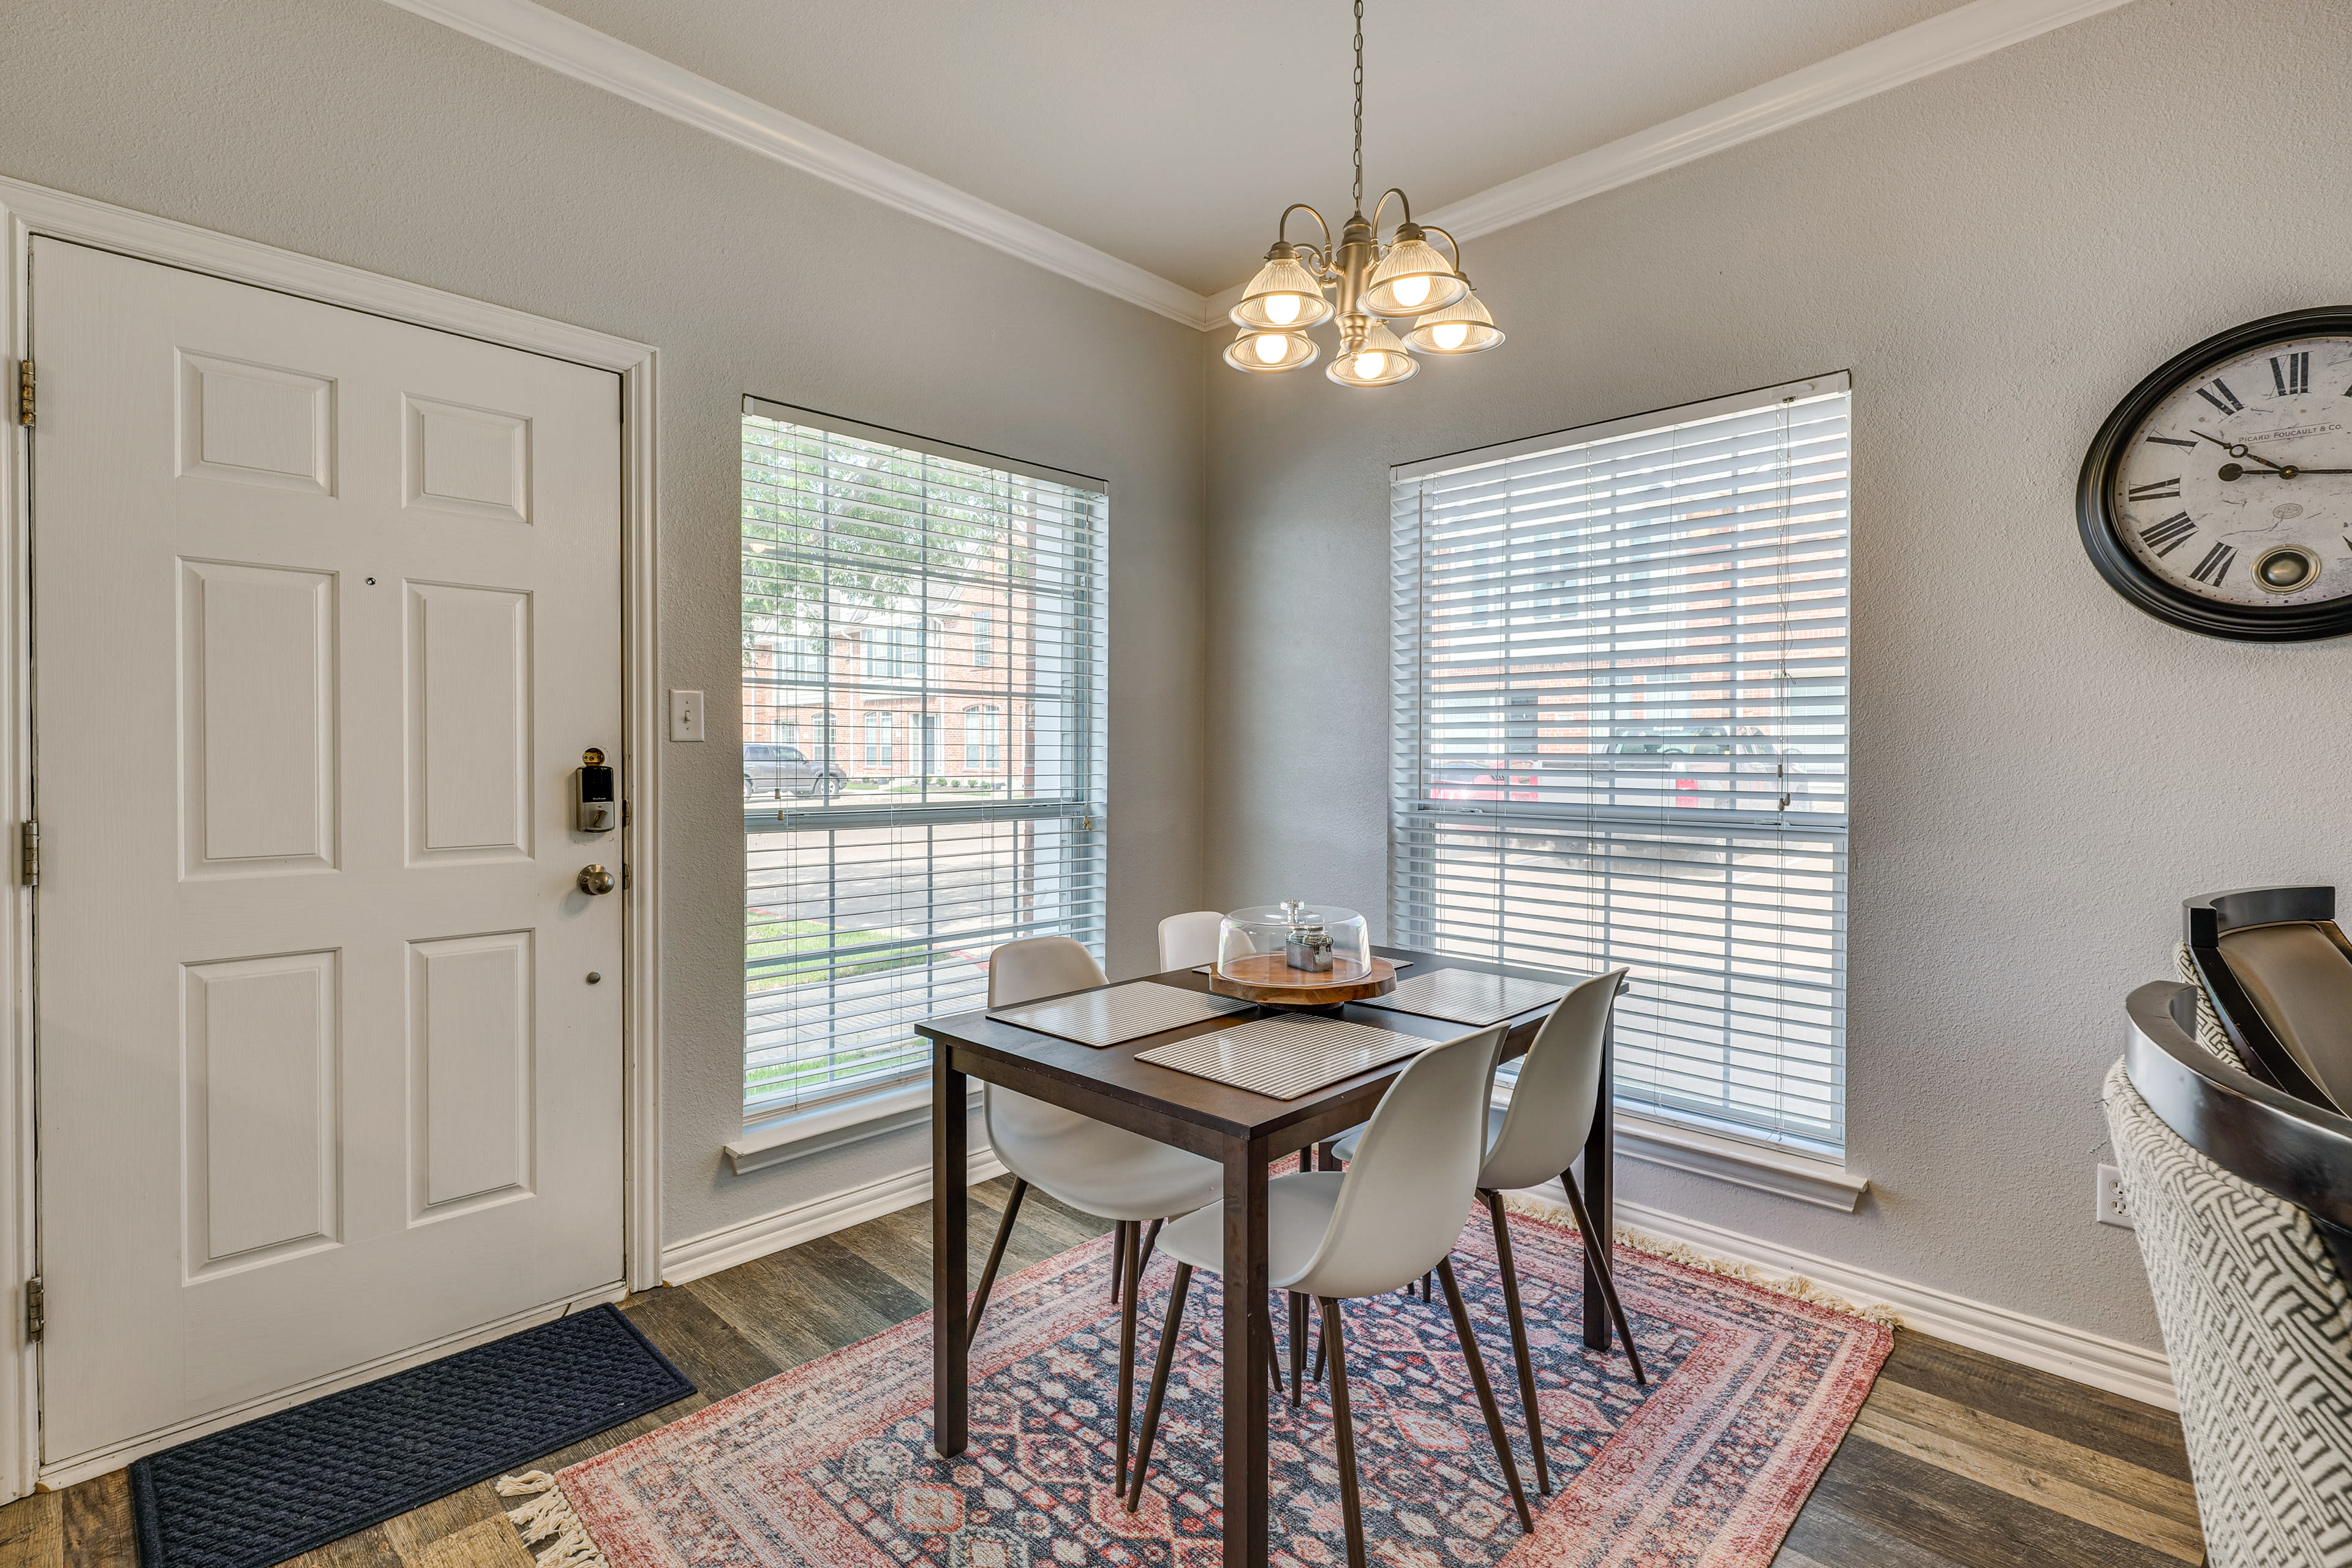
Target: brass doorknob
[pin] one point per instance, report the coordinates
(596, 879)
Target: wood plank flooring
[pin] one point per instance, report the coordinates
(1958, 1460)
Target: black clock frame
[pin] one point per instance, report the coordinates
(2094, 497)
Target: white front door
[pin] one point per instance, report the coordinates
(326, 609)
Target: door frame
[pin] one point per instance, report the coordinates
(29, 210)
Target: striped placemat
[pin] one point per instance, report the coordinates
(1283, 1057)
(1466, 996)
(1118, 1013)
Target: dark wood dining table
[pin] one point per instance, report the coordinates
(1242, 1131)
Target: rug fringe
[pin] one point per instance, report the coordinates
(549, 1514)
(1791, 1284)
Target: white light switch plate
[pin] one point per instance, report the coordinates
(685, 715)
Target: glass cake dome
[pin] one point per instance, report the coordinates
(1294, 943)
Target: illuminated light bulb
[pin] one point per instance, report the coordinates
(1269, 347)
(1372, 364)
(1450, 335)
(1282, 310)
(1411, 291)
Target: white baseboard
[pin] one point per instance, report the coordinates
(716, 1250)
(2073, 1353)
(2055, 1348)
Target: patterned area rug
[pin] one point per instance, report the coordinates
(830, 1466)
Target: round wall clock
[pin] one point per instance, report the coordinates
(2218, 496)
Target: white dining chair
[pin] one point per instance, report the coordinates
(1089, 1165)
(1537, 1137)
(1189, 940)
(1391, 1216)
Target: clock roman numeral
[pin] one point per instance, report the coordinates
(2161, 489)
(2168, 536)
(2176, 441)
(2219, 396)
(2293, 377)
(2215, 567)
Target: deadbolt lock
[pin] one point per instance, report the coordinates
(593, 808)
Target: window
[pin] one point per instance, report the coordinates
(1622, 735)
(982, 754)
(893, 653)
(984, 650)
(874, 894)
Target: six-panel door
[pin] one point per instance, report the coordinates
(326, 610)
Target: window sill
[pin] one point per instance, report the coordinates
(1775, 1170)
(797, 1135)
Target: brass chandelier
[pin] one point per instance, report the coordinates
(1407, 279)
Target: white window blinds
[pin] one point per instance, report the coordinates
(923, 757)
(1620, 739)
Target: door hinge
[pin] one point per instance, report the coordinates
(37, 1308)
(24, 392)
(28, 860)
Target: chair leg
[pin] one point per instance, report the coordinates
(1598, 1248)
(1160, 1367)
(1485, 1390)
(1117, 1262)
(995, 1257)
(1144, 1257)
(1297, 1345)
(1273, 1361)
(1128, 1231)
(1323, 1160)
(1518, 1337)
(1320, 1345)
(1350, 1508)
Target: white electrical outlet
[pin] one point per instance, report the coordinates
(685, 715)
(2113, 1209)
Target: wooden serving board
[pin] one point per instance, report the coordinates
(1264, 978)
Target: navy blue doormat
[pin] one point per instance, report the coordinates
(273, 1489)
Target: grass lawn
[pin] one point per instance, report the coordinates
(779, 953)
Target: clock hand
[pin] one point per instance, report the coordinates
(2232, 471)
(2238, 451)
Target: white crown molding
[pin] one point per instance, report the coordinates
(1967, 33)
(548, 38)
(1954, 38)
(521, 28)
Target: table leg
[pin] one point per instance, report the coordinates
(951, 1206)
(1599, 1190)
(1249, 1332)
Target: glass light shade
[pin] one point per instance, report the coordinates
(1361, 369)
(1294, 943)
(1283, 297)
(1288, 350)
(1461, 328)
(1413, 279)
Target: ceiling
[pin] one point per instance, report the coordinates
(1172, 136)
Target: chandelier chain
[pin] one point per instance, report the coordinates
(1360, 105)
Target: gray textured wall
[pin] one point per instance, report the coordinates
(1998, 254)
(353, 131)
